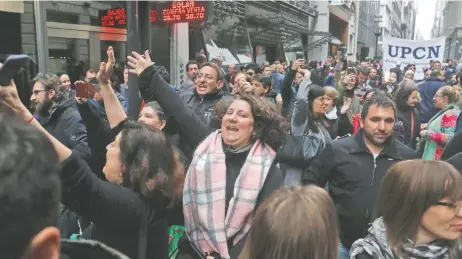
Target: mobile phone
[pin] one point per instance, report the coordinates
(11, 67)
(84, 90)
(347, 135)
(299, 55)
(351, 70)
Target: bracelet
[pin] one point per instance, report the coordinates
(30, 120)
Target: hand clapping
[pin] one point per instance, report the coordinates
(139, 63)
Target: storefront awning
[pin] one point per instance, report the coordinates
(12, 6)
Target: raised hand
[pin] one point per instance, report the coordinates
(106, 69)
(139, 63)
(9, 101)
(346, 106)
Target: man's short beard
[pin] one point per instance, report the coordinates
(370, 138)
(44, 108)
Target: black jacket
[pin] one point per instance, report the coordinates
(338, 127)
(410, 119)
(354, 178)
(202, 106)
(66, 125)
(453, 147)
(287, 94)
(99, 136)
(118, 214)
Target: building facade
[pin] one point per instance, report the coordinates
(368, 28)
(337, 25)
(448, 23)
(408, 20)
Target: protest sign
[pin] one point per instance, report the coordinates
(417, 52)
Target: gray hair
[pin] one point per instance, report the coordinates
(52, 82)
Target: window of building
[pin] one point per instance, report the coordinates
(70, 56)
(62, 17)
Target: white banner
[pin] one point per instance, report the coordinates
(417, 52)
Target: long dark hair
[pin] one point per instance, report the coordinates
(151, 167)
(313, 121)
(403, 93)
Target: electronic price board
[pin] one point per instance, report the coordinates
(167, 12)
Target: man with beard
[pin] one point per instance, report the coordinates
(58, 114)
(354, 167)
(192, 68)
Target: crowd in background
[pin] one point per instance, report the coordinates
(299, 159)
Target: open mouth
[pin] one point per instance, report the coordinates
(232, 128)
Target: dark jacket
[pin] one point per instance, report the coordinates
(338, 127)
(354, 178)
(202, 106)
(66, 125)
(410, 119)
(427, 91)
(98, 133)
(88, 249)
(453, 147)
(456, 161)
(121, 219)
(287, 94)
(193, 130)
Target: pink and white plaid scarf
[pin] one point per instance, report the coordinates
(204, 195)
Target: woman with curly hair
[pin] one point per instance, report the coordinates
(232, 170)
(406, 99)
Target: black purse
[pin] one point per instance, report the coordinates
(299, 151)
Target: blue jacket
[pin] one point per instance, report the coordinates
(427, 91)
(277, 79)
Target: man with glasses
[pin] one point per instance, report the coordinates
(58, 114)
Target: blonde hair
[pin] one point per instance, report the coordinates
(409, 72)
(451, 92)
(331, 93)
(294, 222)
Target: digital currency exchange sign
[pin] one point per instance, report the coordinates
(168, 12)
(183, 11)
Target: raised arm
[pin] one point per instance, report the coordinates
(114, 110)
(89, 196)
(189, 125)
(299, 120)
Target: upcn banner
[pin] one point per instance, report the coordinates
(417, 52)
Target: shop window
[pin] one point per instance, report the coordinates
(228, 40)
(70, 56)
(62, 17)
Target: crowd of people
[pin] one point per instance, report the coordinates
(299, 159)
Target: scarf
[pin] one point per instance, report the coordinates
(332, 115)
(204, 195)
(375, 244)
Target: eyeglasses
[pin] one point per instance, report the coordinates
(36, 92)
(457, 206)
